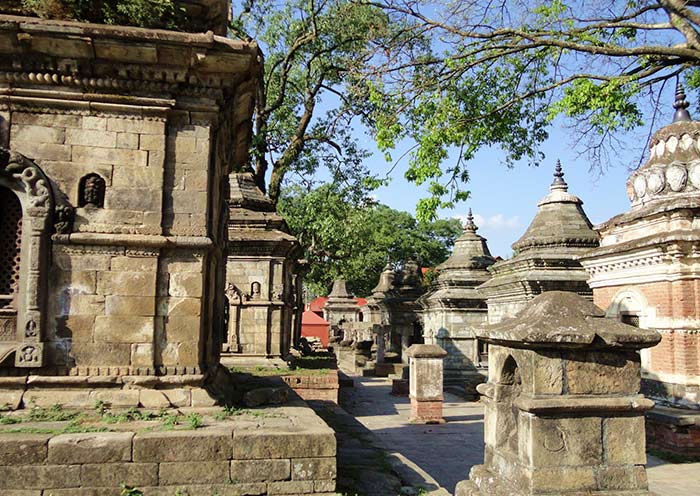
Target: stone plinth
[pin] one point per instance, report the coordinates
(291, 451)
(425, 383)
(563, 409)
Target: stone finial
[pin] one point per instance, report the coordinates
(681, 105)
(470, 226)
(559, 182)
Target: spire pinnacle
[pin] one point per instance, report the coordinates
(681, 105)
(559, 182)
(470, 226)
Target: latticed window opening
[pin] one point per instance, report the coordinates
(10, 248)
(630, 319)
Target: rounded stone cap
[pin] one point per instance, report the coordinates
(561, 319)
(426, 351)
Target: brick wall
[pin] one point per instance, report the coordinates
(674, 301)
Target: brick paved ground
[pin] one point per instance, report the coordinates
(438, 456)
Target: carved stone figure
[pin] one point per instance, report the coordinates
(64, 216)
(92, 191)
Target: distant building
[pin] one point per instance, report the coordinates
(315, 326)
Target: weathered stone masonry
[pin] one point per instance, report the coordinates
(128, 285)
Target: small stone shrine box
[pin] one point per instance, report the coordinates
(563, 413)
(426, 368)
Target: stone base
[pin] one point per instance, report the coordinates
(84, 392)
(252, 361)
(482, 482)
(399, 387)
(315, 387)
(674, 430)
(426, 412)
(289, 451)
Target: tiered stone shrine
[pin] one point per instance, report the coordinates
(454, 308)
(646, 273)
(401, 308)
(261, 278)
(117, 145)
(545, 257)
(563, 409)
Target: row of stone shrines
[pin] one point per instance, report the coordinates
(130, 225)
(640, 266)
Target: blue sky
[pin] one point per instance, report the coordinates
(504, 201)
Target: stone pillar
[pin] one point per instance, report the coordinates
(380, 332)
(425, 383)
(563, 411)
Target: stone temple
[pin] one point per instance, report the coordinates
(116, 148)
(645, 273)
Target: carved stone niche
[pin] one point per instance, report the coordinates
(563, 411)
(24, 181)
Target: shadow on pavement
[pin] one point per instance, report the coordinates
(364, 467)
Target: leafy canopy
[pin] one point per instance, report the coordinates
(474, 74)
(306, 100)
(346, 235)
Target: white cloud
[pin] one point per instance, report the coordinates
(498, 221)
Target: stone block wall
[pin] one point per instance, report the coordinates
(222, 460)
(136, 134)
(124, 304)
(317, 387)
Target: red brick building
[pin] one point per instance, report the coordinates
(647, 273)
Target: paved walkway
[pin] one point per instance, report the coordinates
(438, 456)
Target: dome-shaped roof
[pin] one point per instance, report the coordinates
(470, 251)
(673, 168)
(560, 221)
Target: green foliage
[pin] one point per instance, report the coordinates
(469, 76)
(130, 491)
(194, 420)
(312, 52)
(351, 237)
(142, 13)
(54, 413)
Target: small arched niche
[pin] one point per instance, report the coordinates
(91, 191)
(510, 383)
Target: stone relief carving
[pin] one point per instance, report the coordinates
(255, 293)
(92, 191)
(30, 184)
(16, 167)
(64, 217)
(234, 295)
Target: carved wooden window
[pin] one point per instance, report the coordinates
(10, 247)
(91, 191)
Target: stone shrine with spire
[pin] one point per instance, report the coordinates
(261, 283)
(646, 273)
(545, 257)
(455, 307)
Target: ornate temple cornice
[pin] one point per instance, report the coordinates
(104, 58)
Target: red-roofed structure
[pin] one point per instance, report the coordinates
(313, 325)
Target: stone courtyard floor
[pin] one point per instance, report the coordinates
(436, 457)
